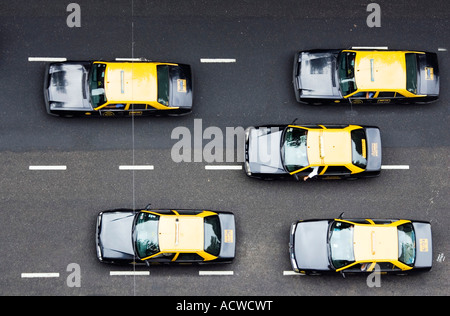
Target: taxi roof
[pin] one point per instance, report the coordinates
(131, 82)
(373, 242)
(178, 233)
(329, 147)
(380, 70)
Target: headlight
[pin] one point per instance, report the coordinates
(56, 105)
(247, 133)
(247, 168)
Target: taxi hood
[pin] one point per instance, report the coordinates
(311, 246)
(264, 150)
(317, 74)
(115, 235)
(67, 86)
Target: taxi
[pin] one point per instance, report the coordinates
(126, 236)
(312, 151)
(388, 246)
(365, 76)
(117, 88)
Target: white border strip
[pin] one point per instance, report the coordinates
(141, 167)
(222, 167)
(128, 59)
(217, 60)
(128, 273)
(47, 167)
(54, 59)
(215, 272)
(441, 49)
(391, 167)
(39, 275)
(370, 47)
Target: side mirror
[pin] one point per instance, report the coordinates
(341, 215)
(148, 206)
(296, 177)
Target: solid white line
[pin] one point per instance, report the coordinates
(290, 272)
(142, 167)
(401, 167)
(127, 273)
(223, 167)
(47, 167)
(442, 49)
(54, 59)
(39, 275)
(128, 59)
(215, 273)
(217, 60)
(370, 47)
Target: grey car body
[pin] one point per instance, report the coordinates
(115, 237)
(309, 246)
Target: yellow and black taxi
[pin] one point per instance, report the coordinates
(389, 246)
(365, 76)
(126, 236)
(117, 88)
(312, 151)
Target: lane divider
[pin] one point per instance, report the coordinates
(55, 167)
(223, 167)
(129, 273)
(217, 60)
(39, 275)
(213, 273)
(136, 167)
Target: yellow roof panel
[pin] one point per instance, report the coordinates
(375, 242)
(329, 147)
(131, 82)
(380, 70)
(181, 233)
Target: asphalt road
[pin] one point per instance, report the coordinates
(47, 218)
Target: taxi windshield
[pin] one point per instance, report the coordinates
(340, 244)
(406, 244)
(293, 150)
(346, 71)
(97, 84)
(146, 234)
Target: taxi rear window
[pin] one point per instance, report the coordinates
(213, 235)
(163, 84)
(359, 148)
(411, 72)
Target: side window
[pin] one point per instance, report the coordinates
(115, 106)
(163, 257)
(386, 94)
(387, 266)
(331, 170)
(359, 95)
(364, 94)
(189, 257)
(359, 267)
(137, 106)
